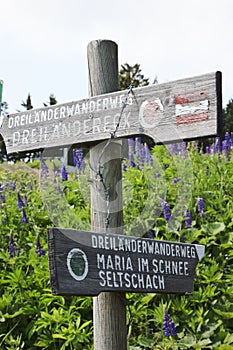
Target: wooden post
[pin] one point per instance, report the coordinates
(106, 197)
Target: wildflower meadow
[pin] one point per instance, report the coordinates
(180, 192)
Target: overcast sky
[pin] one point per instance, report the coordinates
(44, 43)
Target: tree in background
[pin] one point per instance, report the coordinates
(52, 101)
(227, 118)
(4, 108)
(131, 75)
(28, 104)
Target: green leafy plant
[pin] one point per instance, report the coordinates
(32, 318)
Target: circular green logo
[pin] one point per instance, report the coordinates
(77, 264)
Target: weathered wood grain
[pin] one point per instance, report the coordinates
(152, 110)
(109, 309)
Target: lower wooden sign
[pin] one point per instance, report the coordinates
(88, 263)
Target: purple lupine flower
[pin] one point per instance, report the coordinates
(217, 145)
(157, 174)
(131, 152)
(142, 155)
(44, 168)
(226, 148)
(39, 250)
(188, 218)
(150, 234)
(24, 218)
(124, 167)
(55, 172)
(207, 150)
(25, 199)
(176, 179)
(64, 174)
(183, 150)
(138, 147)
(2, 198)
(13, 185)
(173, 148)
(228, 136)
(166, 210)
(2, 195)
(200, 206)
(78, 159)
(148, 156)
(20, 202)
(7, 185)
(169, 326)
(12, 247)
(228, 141)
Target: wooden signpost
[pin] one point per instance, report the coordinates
(88, 263)
(178, 110)
(109, 264)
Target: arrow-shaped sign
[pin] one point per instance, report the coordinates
(87, 263)
(178, 110)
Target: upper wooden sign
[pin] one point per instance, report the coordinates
(88, 263)
(173, 111)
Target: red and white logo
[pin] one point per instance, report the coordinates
(190, 110)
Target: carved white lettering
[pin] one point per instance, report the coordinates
(77, 109)
(98, 105)
(63, 112)
(105, 103)
(10, 122)
(70, 110)
(33, 136)
(17, 120)
(50, 114)
(107, 119)
(84, 107)
(37, 117)
(56, 112)
(76, 127)
(66, 129)
(118, 279)
(170, 267)
(56, 132)
(22, 121)
(92, 106)
(43, 116)
(25, 136)
(16, 138)
(96, 125)
(86, 129)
